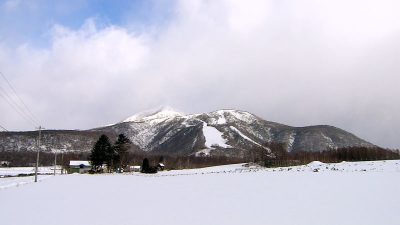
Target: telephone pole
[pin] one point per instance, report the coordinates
(37, 154)
(55, 162)
(62, 163)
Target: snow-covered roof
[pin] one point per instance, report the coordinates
(161, 164)
(79, 162)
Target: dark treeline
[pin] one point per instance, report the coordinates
(187, 162)
(132, 158)
(27, 158)
(281, 157)
(284, 158)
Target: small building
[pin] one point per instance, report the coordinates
(160, 166)
(79, 166)
(4, 163)
(134, 168)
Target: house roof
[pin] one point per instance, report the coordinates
(78, 163)
(161, 164)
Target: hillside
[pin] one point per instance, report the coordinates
(228, 132)
(167, 131)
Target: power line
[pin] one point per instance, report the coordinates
(7, 98)
(3, 128)
(20, 107)
(28, 112)
(19, 98)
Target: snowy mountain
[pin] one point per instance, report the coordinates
(226, 132)
(154, 115)
(168, 131)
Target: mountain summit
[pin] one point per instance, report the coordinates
(160, 113)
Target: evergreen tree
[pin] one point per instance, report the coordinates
(100, 152)
(145, 165)
(109, 156)
(121, 148)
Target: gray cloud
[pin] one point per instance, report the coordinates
(294, 62)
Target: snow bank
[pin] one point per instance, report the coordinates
(316, 163)
(363, 166)
(10, 182)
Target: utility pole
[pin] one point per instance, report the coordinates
(55, 162)
(62, 163)
(37, 154)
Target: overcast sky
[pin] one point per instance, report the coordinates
(83, 64)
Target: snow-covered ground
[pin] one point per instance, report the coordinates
(11, 176)
(366, 166)
(14, 171)
(352, 193)
(10, 182)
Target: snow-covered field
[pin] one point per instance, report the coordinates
(368, 166)
(14, 171)
(11, 176)
(344, 193)
(10, 182)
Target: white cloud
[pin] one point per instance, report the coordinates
(81, 69)
(297, 62)
(245, 18)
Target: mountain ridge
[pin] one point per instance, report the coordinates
(227, 132)
(240, 130)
